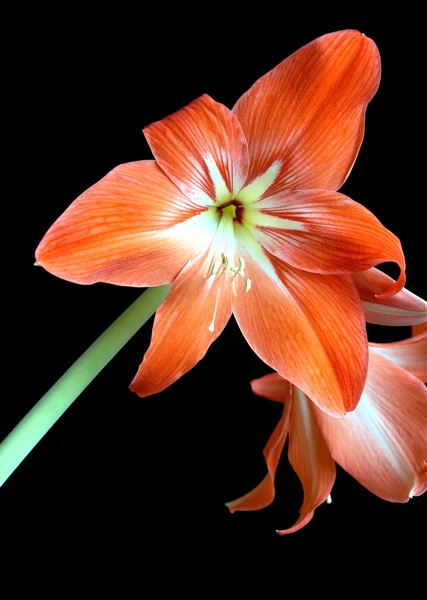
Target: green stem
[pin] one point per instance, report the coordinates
(55, 402)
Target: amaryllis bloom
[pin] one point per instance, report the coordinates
(382, 443)
(240, 213)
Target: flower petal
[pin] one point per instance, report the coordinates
(420, 483)
(410, 354)
(310, 329)
(310, 457)
(275, 388)
(417, 329)
(193, 315)
(202, 149)
(305, 118)
(383, 443)
(324, 232)
(405, 308)
(133, 227)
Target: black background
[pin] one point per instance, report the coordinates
(118, 472)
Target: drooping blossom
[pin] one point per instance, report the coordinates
(382, 443)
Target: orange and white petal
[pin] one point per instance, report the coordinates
(410, 354)
(404, 308)
(133, 227)
(310, 457)
(383, 442)
(275, 388)
(309, 328)
(203, 150)
(304, 120)
(324, 232)
(195, 312)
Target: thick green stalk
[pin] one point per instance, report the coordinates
(55, 402)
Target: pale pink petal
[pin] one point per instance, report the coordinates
(410, 354)
(383, 442)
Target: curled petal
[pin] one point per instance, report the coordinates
(410, 354)
(133, 227)
(324, 232)
(305, 118)
(383, 442)
(195, 312)
(405, 308)
(310, 457)
(309, 328)
(275, 388)
(202, 149)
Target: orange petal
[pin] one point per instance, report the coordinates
(410, 354)
(310, 329)
(202, 149)
(324, 232)
(133, 227)
(275, 388)
(383, 443)
(417, 329)
(306, 117)
(193, 315)
(405, 308)
(310, 457)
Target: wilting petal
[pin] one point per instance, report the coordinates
(193, 315)
(310, 329)
(202, 149)
(410, 354)
(324, 232)
(133, 227)
(275, 388)
(310, 457)
(405, 308)
(383, 443)
(304, 120)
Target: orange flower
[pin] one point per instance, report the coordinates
(382, 443)
(239, 212)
